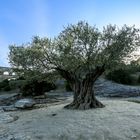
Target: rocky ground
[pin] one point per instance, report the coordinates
(105, 88)
(47, 120)
(119, 120)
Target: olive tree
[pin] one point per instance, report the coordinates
(81, 54)
(25, 58)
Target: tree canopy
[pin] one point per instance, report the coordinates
(78, 53)
(78, 47)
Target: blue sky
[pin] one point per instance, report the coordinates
(20, 20)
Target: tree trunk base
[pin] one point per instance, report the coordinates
(85, 105)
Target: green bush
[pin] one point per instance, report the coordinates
(67, 86)
(7, 88)
(138, 79)
(21, 78)
(4, 84)
(120, 76)
(16, 84)
(34, 87)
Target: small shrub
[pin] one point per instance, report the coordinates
(7, 88)
(16, 84)
(21, 78)
(33, 87)
(134, 101)
(48, 86)
(67, 86)
(139, 79)
(120, 76)
(4, 84)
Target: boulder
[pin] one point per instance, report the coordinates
(8, 99)
(25, 103)
(9, 108)
(7, 118)
(106, 88)
(6, 136)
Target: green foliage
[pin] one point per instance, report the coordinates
(7, 85)
(139, 79)
(27, 58)
(67, 86)
(21, 78)
(28, 87)
(7, 88)
(4, 85)
(79, 48)
(134, 101)
(120, 76)
(133, 67)
(34, 87)
(16, 84)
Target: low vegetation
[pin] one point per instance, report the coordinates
(129, 74)
(134, 101)
(35, 87)
(28, 87)
(67, 86)
(4, 85)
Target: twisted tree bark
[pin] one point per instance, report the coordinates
(84, 97)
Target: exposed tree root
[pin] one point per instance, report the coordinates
(85, 105)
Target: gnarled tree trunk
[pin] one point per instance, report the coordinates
(84, 97)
